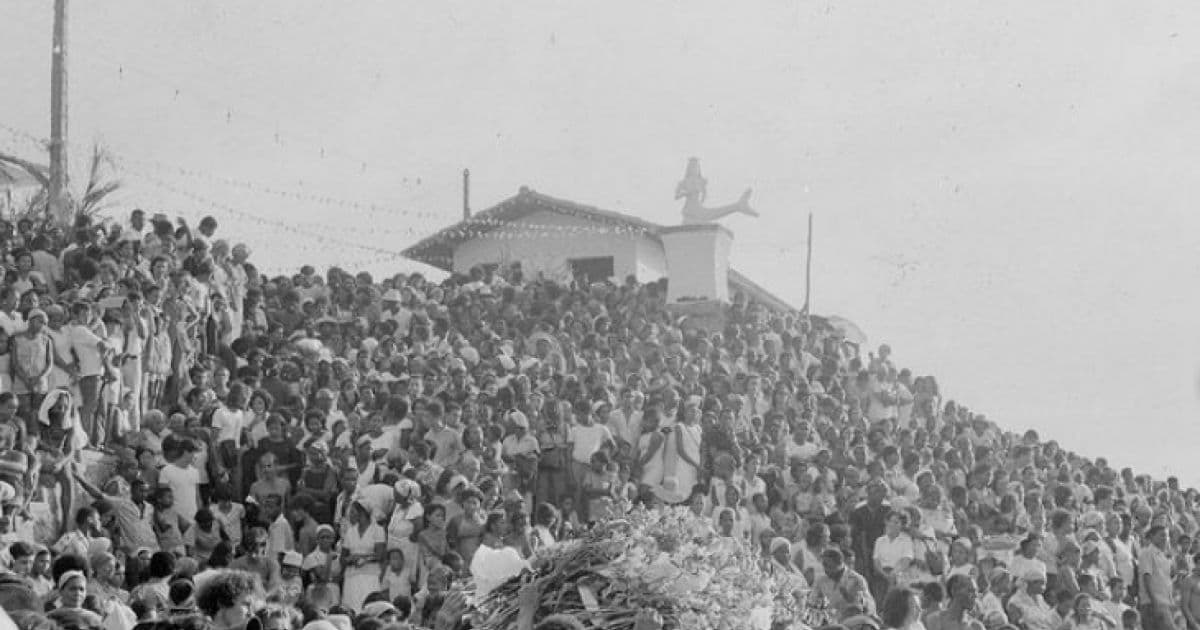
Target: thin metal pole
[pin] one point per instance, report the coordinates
(808, 266)
(466, 193)
(59, 207)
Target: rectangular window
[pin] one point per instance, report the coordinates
(596, 269)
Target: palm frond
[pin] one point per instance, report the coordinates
(35, 208)
(99, 185)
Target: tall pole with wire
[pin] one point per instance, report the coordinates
(808, 266)
(59, 208)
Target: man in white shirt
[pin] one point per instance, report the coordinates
(801, 446)
(89, 350)
(392, 310)
(492, 567)
(137, 229)
(64, 361)
(586, 438)
(181, 476)
(625, 422)
(894, 549)
(229, 421)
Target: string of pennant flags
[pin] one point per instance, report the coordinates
(254, 218)
(293, 195)
(326, 239)
(467, 228)
(350, 266)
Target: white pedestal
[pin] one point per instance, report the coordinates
(697, 263)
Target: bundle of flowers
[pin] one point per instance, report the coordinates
(669, 560)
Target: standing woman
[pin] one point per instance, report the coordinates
(552, 431)
(464, 532)
(682, 461)
(785, 570)
(136, 332)
(1027, 607)
(364, 550)
(1116, 531)
(158, 349)
(407, 519)
(364, 553)
(111, 378)
(650, 452)
(258, 410)
(319, 480)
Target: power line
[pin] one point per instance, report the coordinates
(252, 217)
(279, 192)
(127, 164)
(199, 94)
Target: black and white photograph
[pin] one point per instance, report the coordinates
(778, 315)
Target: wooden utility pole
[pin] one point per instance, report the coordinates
(60, 209)
(808, 267)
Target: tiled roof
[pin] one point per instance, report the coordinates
(438, 249)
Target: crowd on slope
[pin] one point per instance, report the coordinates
(187, 443)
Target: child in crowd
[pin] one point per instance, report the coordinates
(432, 538)
(208, 534)
(229, 514)
(290, 586)
(598, 486)
(398, 579)
(568, 523)
(120, 421)
(148, 464)
(321, 566)
(169, 525)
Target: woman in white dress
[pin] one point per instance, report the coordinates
(682, 460)
(785, 570)
(364, 549)
(406, 519)
(650, 452)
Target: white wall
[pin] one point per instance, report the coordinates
(698, 259)
(547, 251)
(651, 260)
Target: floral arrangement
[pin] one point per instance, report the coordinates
(669, 560)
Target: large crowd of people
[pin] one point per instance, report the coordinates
(186, 443)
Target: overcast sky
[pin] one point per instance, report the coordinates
(1002, 191)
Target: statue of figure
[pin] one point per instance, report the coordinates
(693, 190)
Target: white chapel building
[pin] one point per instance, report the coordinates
(563, 239)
